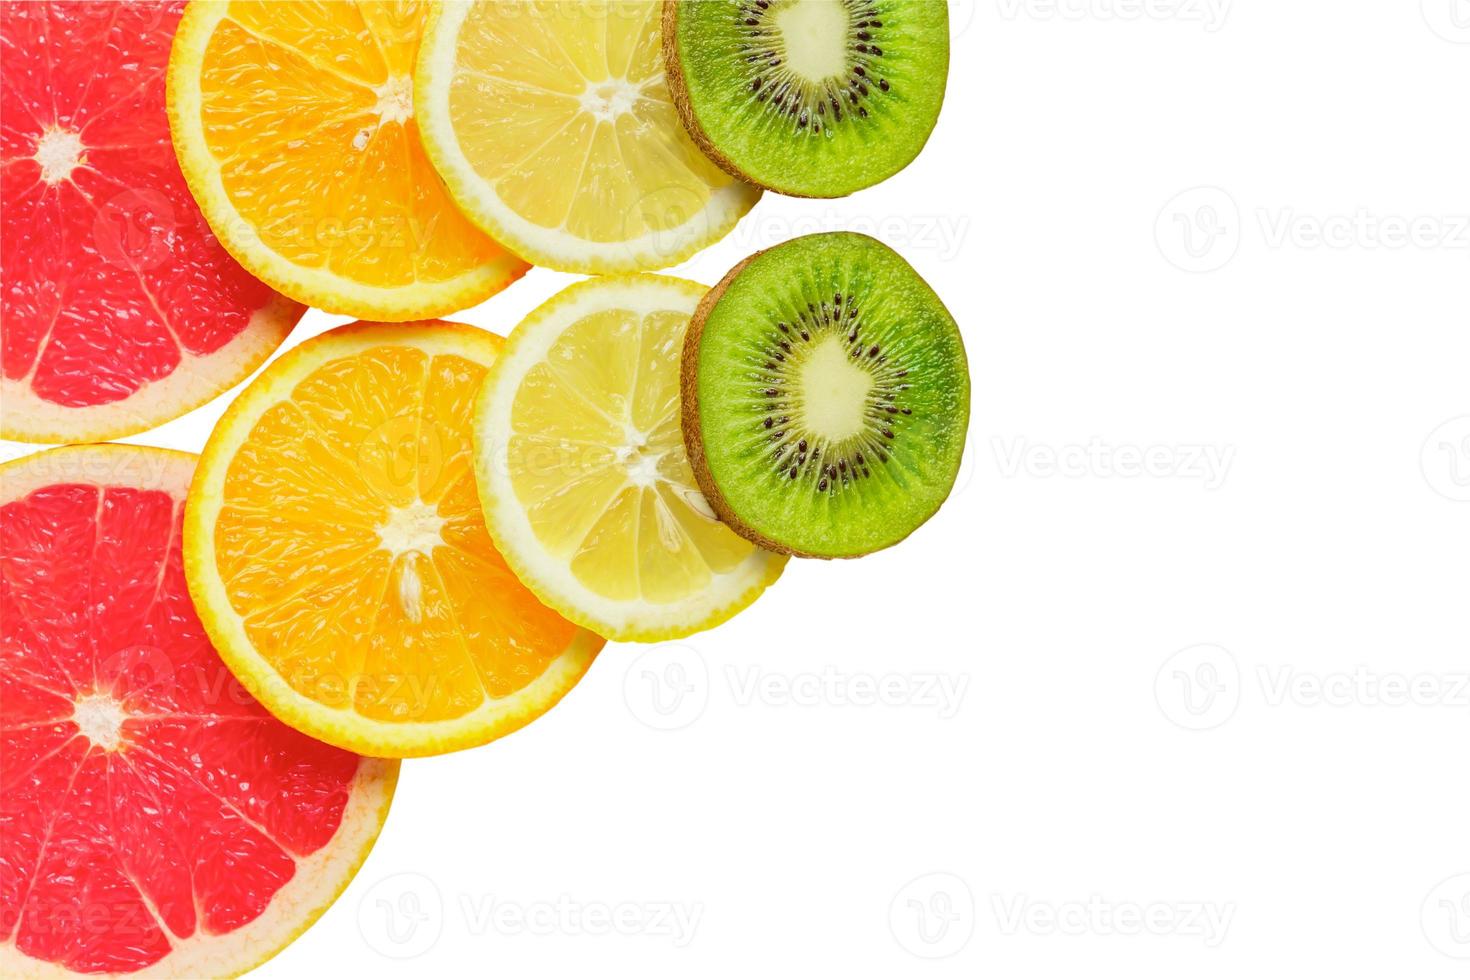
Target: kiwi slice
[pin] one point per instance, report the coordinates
(825, 397)
(813, 98)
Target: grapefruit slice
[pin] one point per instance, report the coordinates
(338, 556)
(120, 309)
(153, 817)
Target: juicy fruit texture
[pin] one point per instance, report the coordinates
(294, 124)
(554, 128)
(152, 814)
(120, 309)
(339, 558)
(826, 397)
(581, 465)
(815, 98)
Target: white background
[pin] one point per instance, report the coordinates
(1174, 686)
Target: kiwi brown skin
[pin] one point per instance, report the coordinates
(689, 413)
(674, 76)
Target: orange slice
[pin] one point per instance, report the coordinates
(295, 130)
(335, 547)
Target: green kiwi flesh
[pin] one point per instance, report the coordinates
(825, 397)
(813, 98)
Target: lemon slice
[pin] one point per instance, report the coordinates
(555, 132)
(582, 471)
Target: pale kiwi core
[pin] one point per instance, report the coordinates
(835, 392)
(814, 36)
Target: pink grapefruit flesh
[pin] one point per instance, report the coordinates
(119, 310)
(154, 817)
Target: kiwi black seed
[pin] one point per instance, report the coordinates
(852, 441)
(814, 98)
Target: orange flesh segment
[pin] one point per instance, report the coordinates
(352, 544)
(311, 119)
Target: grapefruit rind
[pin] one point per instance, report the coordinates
(197, 380)
(315, 287)
(345, 728)
(553, 248)
(320, 878)
(505, 517)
